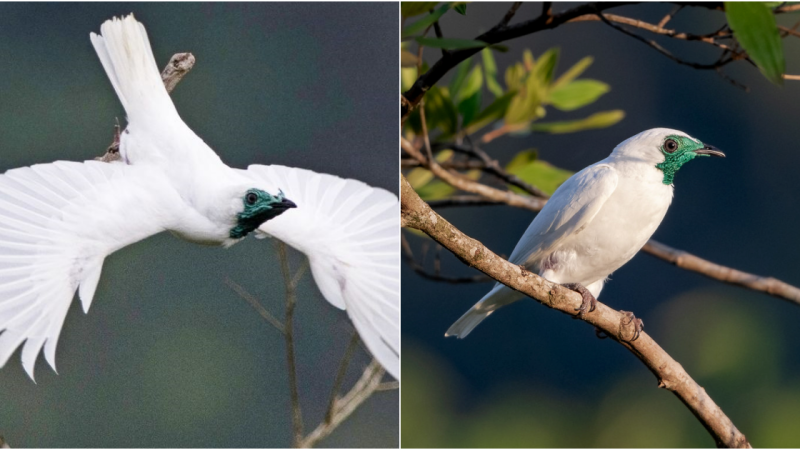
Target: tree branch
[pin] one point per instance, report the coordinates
(291, 301)
(369, 383)
(499, 33)
(688, 261)
(670, 374)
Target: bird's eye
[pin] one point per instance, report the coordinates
(670, 146)
(251, 198)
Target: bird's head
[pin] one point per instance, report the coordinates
(258, 207)
(668, 150)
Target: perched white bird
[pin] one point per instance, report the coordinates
(597, 220)
(59, 221)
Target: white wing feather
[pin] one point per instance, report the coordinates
(58, 222)
(573, 206)
(351, 235)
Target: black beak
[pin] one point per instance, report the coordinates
(286, 204)
(711, 151)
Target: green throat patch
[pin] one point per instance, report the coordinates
(684, 153)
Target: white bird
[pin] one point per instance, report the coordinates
(59, 221)
(597, 220)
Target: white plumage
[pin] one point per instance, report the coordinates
(598, 219)
(59, 221)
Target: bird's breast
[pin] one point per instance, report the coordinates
(619, 230)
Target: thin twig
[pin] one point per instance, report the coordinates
(508, 197)
(492, 166)
(663, 22)
(616, 325)
(337, 382)
(368, 384)
(291, 301)
(256, 305)
(499, 33)
(655, 45)
(688, 261)
(408, 256)
(510, 14)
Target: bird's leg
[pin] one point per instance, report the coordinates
(588, 304)
(638, 324)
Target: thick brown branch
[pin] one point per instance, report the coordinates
(688, 261)
(670, 373)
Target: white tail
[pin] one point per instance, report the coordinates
(500, 295)
(128, 60)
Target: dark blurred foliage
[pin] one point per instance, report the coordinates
(529, 377)
(168, 355)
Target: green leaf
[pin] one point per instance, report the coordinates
(469, 108)
(754, 27)
(440, 111)
(522, 159)
(425, 22)
(573, 72)
(490, 70)
(514, 76)
(461, 75)
(525, 106)
(435, 190)
(541, 174)
(411, 9)
(493, 112)
(527, 60)
(499, 47)
(577, 94)
(597, 120)
(546, 65)
(472, 84)
(461, 8)
(408, 75)
(450, 44)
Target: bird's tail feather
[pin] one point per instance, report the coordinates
(124, 51)
(500, 295)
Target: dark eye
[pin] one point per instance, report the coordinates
(670, 146)
(251, 198)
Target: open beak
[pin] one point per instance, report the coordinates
(710, 150)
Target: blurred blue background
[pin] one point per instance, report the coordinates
(169, 356)
(529, 376)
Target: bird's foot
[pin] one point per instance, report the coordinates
(588, 304)
(600, 333)
(630, 321)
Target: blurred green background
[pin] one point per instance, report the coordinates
(529, 377)
(168, 355)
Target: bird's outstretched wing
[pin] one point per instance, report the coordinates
(350, 232)
(572, 206)
(58, 222)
